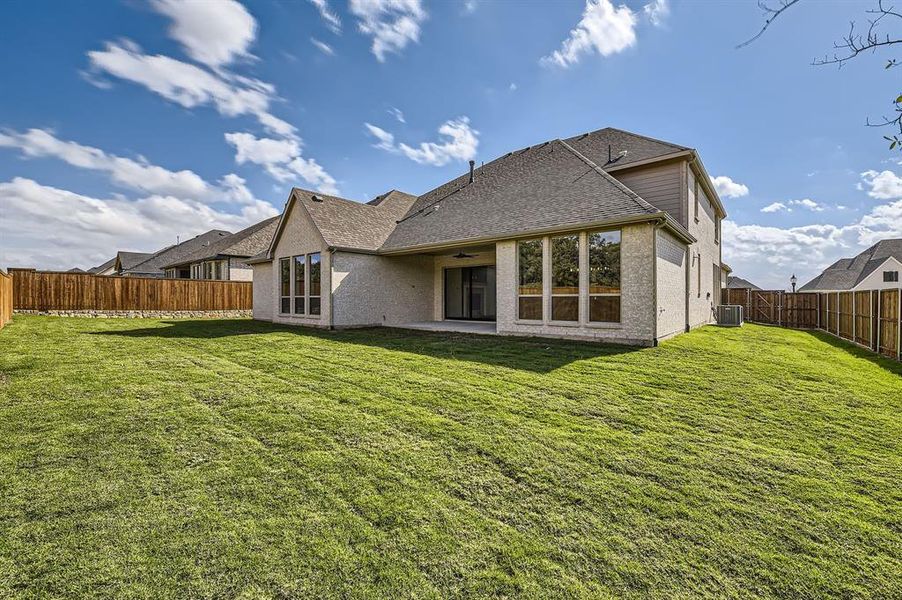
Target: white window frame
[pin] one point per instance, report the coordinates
(589, 294)
(540, 295)
(290, 286)
(307, 284)
(580, 245)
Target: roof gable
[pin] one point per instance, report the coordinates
(846, 273)
(596, 145)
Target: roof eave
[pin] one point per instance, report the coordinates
(661, 217)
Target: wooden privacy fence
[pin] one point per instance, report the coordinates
(53, 291)
(869, 318)
(6, 298)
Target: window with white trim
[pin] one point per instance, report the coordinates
(285, 285)
(604, 276)
(565, 278)
(529, 290)
(299, 262)
(315, 275)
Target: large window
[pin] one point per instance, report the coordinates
(529, 260)
(604, 276)
(313, 267)
(285, 285)
(299, 272)
(890, 276)
(565, 278)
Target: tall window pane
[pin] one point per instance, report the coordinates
(604, 276)
(529, 259)
(565, 278)
(285, 284)
(313, 265)
(299, 271)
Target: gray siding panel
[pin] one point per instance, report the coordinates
(660, 186)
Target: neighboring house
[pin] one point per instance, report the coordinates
(155, 264)
(224, 257)
(876, 268)
(735, 283)
(107, 268)
(126, 261)
(607, 235)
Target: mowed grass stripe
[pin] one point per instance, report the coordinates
(755, 462)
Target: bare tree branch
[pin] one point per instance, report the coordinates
(854, 44)
(773, 14)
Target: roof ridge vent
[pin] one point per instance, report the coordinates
(316, 198)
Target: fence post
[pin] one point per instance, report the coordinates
(817, 313)
(879, 313)
(871, 318)
(854, 318)
(899, 325)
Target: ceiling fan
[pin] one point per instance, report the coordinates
(464, 255)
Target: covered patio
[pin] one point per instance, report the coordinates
(477, 327)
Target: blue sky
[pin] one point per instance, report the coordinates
(126, 124)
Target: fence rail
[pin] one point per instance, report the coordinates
(54, 291)
(869, 318)
(6, 298)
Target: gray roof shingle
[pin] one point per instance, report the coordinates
(244, 243)
(734, 283)
(594, 146)
(846, 273)
(155, 264)
(103, 267)
(128, 260)
(546, 186)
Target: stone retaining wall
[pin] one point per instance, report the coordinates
(141, 314)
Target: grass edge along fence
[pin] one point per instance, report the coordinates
(58, 291)
(6, 298)
(871, 319)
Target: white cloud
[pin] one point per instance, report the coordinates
(807, 203)
(512, 87)
(603, 29)
(775, 207)
(460, 143)
(884, 185)
(386, 141)
(88, 231)
(396, 113)
(728, 188)
(768, 255)
(470, 6)
(322, 47)
(135, 174)
(392, 24)
(656, 11)
(328, 15)
(282, 160)
(212, 33)
(189, 85)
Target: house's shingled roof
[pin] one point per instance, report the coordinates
(107, 265)
(348, 224)
(594, 146)
(740, 283)
(846, 273)
(128, 260)
(246, 242)
(156, 263)
(544, 186)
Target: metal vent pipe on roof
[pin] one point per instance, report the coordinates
(472, 175)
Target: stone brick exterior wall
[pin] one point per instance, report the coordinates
(671, 276)
(637, 305)
(264, 305)
(142, 314)
(381, 290)
(703, 255)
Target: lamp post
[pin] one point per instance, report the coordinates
(793, 280)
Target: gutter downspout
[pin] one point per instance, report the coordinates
(688, 269)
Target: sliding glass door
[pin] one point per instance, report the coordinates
(470, 293)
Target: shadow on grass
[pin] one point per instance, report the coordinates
(538, 355)
(857, 351)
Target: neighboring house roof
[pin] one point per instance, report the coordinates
(846, 273)
(735, 283)
(127, 260)
(76, 270)
(527, 191)
(247, 242)
(104, 267)
(725, 267)
(155, 263)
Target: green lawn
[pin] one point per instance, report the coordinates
(145, 458)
